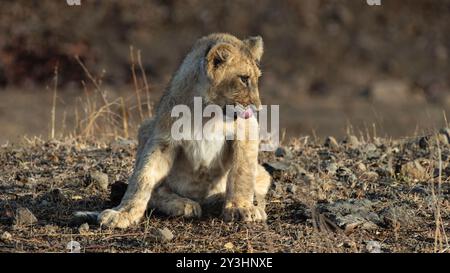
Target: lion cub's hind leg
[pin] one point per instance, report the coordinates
(168, 202)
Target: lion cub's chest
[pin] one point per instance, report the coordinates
(207, 151)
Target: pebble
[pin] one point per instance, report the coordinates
(280, 152)
(331, 142)
(413, 170)
(100, 180)
(163, 234)
(6, 236)
(277, 166)
(83, 228)
(24, 217)
(352, 141)
(373, 247)
(361, 167)
(292, 188)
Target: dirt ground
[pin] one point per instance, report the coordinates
(355, 195)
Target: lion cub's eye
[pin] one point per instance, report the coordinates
(244, 79)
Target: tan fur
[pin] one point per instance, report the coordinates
(177, 177)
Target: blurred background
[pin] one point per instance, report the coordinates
(331, 65)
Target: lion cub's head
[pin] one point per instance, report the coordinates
(232, 68)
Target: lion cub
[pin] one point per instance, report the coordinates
(178, 177)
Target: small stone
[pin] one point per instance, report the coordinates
(308, 178)
(352, 214)
(352, 141)
(345, 175)
(370, 176)
(163, 235)
(277, 166)
(6, 236)
(331, 143)
(395, 216)
(51, 229)
(229, 246)
(419, 190)
(292, 188)
(278, 190)
(361, 167)
(100, 180)
(83, 228)
(413, 170)
(24, 217)
(280, 152)
(373, 247)
(57, 195)
(332, 168)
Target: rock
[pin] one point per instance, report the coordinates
(280, 152)
(162, 235)
(352, 141)
(24, 217)
(361, 167)
(395, 216)
(345, 175)
(99, 179)
(331, 168)
(393, 92)
(371, 151)
(6, 236)
(57, 195)
(413, 170)
(83, 228)
(331, 143)
(377, 141)
(278, 166)
(292, 188)
(370, 176)
(373, 247)
(351, 214)
(118, 190)
(51, 229)
(229, 246)
(278, 190)
(419, 190)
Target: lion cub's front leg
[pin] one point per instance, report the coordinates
(241, 182)
(153, 163)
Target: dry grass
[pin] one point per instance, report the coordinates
(96, 115)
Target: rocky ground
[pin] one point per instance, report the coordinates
(356, 195)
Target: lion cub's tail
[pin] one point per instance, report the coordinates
(89, 217)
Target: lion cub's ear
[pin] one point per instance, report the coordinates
(256, 46)
(217, 56)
